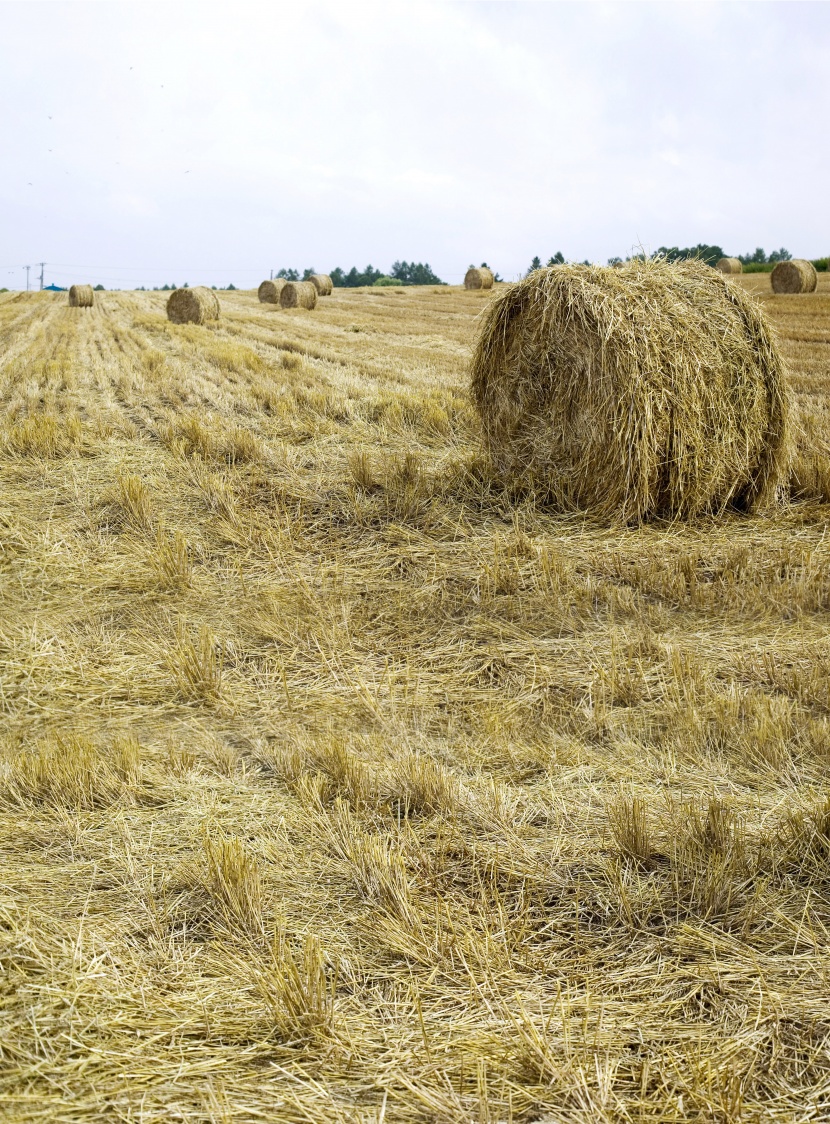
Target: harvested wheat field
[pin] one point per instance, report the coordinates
(342, 783)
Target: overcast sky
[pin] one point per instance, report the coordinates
(150, 142)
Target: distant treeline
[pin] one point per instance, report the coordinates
(405, 272)
(757, 262)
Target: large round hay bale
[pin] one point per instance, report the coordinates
(298, 294)
(192, 306)
(796, 276)
(478, 278)
(322, 283)
(730, 265)
(81, 296)
(654, 389)
(269, 291)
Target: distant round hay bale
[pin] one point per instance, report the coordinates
(192, 306)
(269, 291)
(298, 294)
(479, 278)
(81, 296)
(654, 389)
(322, 283)
(796, 276)
(730, 265)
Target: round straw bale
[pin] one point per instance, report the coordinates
(478, 278)
(81, 296)
(796, 276)
(298, 294)
(322, 283)
(654, 389)
(730, 265)
(192, 306)
(269, 291)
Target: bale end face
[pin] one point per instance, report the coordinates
(654, 389)
(322, 283)
(478, 278)
(795, 276)
(269, 291)
(81, 296)
(298, 294)
(730, 265)
(192, 306)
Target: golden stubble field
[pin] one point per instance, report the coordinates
(339, 784)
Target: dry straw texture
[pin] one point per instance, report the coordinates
(192, 306)
(730, 265)
(269, 291)
(339, 785)
(796, 276)
(322, 283)
(478, 278)
(653, 389)
(298, 294)
(81, 296)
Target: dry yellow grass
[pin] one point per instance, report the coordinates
(339, 784)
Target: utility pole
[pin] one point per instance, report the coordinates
(41, 264)
(272, 275)
(27, 268)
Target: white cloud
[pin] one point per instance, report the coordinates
(225, 140)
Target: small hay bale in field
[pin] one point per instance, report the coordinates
(478, 278)
(654, 389)
(322, 283)
(81, 296)
(796, 276)
(730, 265)
(192, 306)
(298, 294)
(269, 291)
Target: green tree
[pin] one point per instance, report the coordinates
(535, 264)
(414, 273)
(557, 259)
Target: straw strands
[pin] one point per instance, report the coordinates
(652, 389)
(81, 296)
(192, 306)
(795, 276)
(298, 294)
(478, 278)
(730, 265)
(322, 283)
(269, 291)
(339, 783)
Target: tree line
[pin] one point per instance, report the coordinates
(402, 272)
(711, 255)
